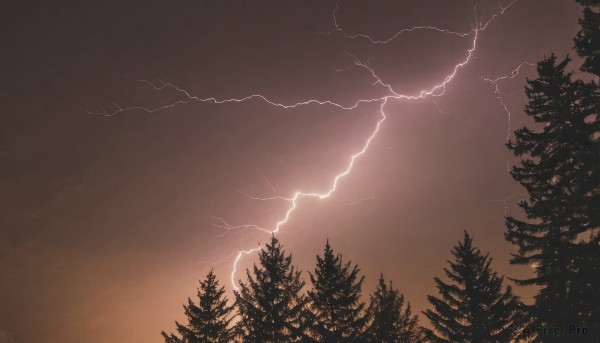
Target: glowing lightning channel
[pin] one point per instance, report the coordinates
(440, 87)
(237, 260)
(424, 93)
(396, 35)
(436, 90)
(298, 195)
(279, 197)
(494, 82)
(189, 98)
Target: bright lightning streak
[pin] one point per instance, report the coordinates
(440, 87)
(494, 82)
(424, 93)
(396, 35)
(435, 90)
(278, 197)
(502, 10)
(237, 260)
(228, 227)
(512, 75)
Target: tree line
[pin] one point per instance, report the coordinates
(272, 306)
(559, 237)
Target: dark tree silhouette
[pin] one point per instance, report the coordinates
(335, 308)
(208, 322)
(473, 307)
(391, 321)
(587, 261)
(587, 45)
(587, 42)
(270, 305)
(561, 171)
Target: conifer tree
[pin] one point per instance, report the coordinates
(473, 307)
(587, 41)
(587, 262)
(270, 304)
(208, 322)
(335, 308)
(587, 45)
(391, 321)
(561, 171)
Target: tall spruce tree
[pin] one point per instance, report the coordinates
(335, 308)
(473, 307)
(587, 45)
(561, 171)
(587, 262)
(270, 304)
(391, 321)
(208, 322)
(587, 41)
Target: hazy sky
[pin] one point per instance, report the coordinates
(105, 221)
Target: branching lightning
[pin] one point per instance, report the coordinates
(437, 89)
(495, 81)
(505, 201)
(338, 29)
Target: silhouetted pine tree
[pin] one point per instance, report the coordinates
(208, 322)
(391, 323)
(270, 305)
(473, 307)
(561, 172)
(587, 42)
(587, 262)
(336, 311)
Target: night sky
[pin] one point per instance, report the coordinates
(105, 222)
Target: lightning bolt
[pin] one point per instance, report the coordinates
(436, 90)
(495, 81)
(237, 260)
(437, 105)
(340, 30)
(505, 201)
(298, 195)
